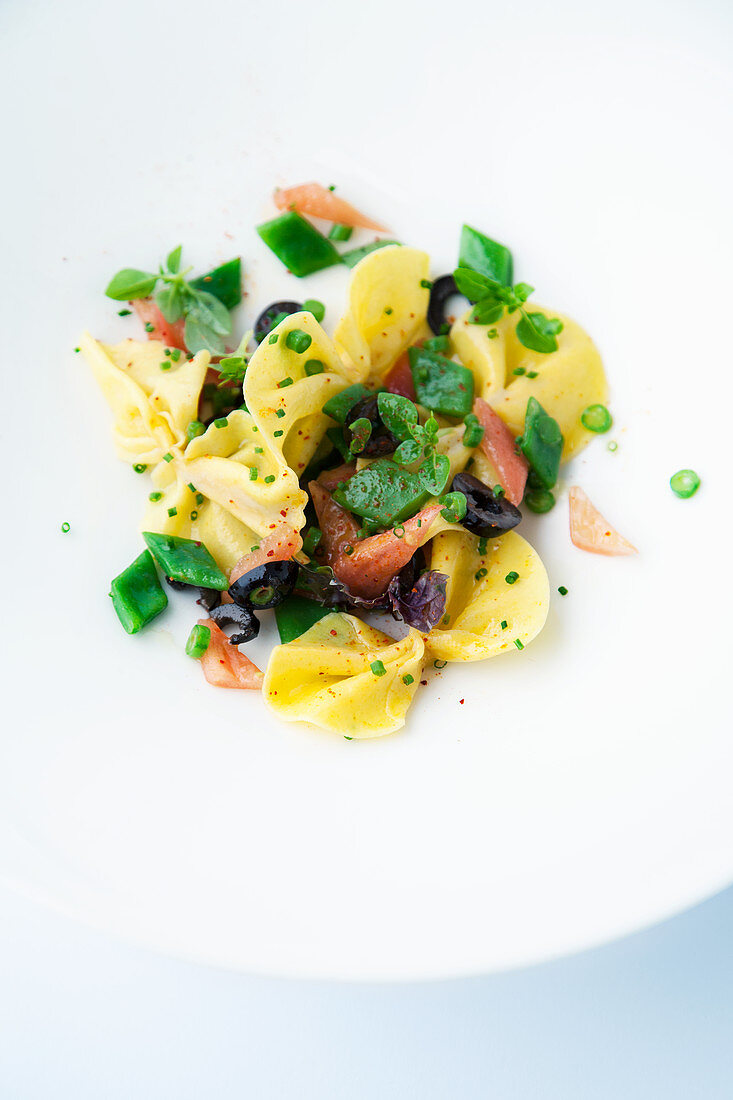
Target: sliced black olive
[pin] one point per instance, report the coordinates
(266, 320)
(381, 441)
(209, 598)
(266, 585)
(486, 515)
(231, 614)
(177, 586)
(443, 288)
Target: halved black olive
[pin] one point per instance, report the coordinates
(266, 320)
(208, 597)
(443, 288)
(381, 441)
(486, 515)
(266, 585)
(231, 614)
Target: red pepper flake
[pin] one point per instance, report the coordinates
(270, 553)
(333, 633)
(283, 512)
(461, 701)
(424, 683)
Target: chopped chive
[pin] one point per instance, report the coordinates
(348, 550)
(253, 474)
(314, 366)
(340, 232)
(278, 433)
(408, 679)
(482, 546)
(140, 467)
(172, 512)
(480, 574)
(518, 644)
(531, 374)
(311, 541)
(269, 479)
(284, 382)
(273, 339)
(512, 577)
(563, 590)
(519, 370)
(199, 498)
(124, 312)
(439, 664)
(77, 349)
(195, 428)
(492, 334)
(168, 457)
(198, 641)
(388, 310)
(194, 515)
(149, 327)
(498, 490)
(298, 341)
(66, 527)
(312, 305)
(165, 365)
(347, 738)
(398, 531)
(612, 445)
(259, 450)
(176, 354)
(332, 187)
(221, 422)
(191, 486)
(445, 620)
(596, 418)
(378, 668)
(155, 496)
(426, 284)
(504, 624)
(166, 351)
(684, 483)
(280, 413)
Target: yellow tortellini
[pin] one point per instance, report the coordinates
(479, 598)
(567, 380)
(284, 399)
(386, 311)
(332, 676)
(152, 407)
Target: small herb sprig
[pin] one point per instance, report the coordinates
(400, 416)
(491, 299)
(232, 368)
(207, 319)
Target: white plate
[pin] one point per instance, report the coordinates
(583, 787)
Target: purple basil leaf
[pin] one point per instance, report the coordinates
(421, 606)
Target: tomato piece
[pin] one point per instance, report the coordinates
(283, 544)
(329, 479)
(224, 666)
(399, 378)
(590, 531)
(338, 527)
(499, 446)
(318, 201)
(374, 561)
(149, 314)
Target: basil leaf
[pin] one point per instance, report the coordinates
(131, 283)
(398, 414)
(472, 285)
(434, 473)
(361, 431)
(486, 312)
(537, 332)
(407, 452)
(199, 337)
(485, 255)
(169, 301)
(173, 262)
(208, 311)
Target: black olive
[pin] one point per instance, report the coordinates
(265, 321)
(266, 585)
(209, 598)
(486, 515)
(177, 586)
(381, 441)
(231, 614)
(443, 288)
